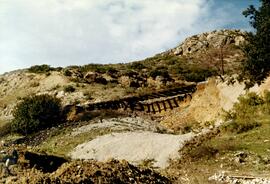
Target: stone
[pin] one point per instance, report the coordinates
(124, 81)
(215, 39)
(240, 157)
(90, 76)
(239, 40)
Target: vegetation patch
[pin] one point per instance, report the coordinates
(42, 69)
(36, 113)
(62, 143)
(244, 153)
(248, 112)
(5, 127)
(69, 89)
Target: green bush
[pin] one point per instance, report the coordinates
(101, 80)
(266, 105)
(240, 126)
(130, 73)
(246, 112)
(197, 74)
(99, 68)
(5, 129)
(163, 72)
(67, 73)
(136, 66)
(112, 72)
(36, 113)
(40, 69)
(69, 89)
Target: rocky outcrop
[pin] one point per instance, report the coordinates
(134, 81)
(90, 76)
(214, 39)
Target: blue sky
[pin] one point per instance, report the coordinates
(69, 32)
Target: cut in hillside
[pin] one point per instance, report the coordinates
(208, 104)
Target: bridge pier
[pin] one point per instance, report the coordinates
(164, 106)
(148, 108)
(154, 111)
(170, 105)
(175, 102)
(159, 109)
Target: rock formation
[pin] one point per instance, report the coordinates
(214, 39)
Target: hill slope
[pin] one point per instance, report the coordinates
(197, 58)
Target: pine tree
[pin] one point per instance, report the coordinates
(256, 66)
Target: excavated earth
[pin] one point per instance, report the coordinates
(90, 171)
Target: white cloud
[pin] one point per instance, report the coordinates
(69, 32)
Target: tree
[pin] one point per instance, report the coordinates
(214, 58)
(256, 66)
(36, 113)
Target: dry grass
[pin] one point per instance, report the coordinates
(61, 144)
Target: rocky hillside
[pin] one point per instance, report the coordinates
(94, 82)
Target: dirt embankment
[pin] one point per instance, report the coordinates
(208, 103)
(91, 171)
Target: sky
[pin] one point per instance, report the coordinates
(77, 32)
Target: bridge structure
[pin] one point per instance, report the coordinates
(151, 103)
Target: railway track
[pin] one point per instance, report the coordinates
(150, 103)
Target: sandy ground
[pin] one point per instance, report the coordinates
(134, 147)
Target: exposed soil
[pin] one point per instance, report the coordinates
(90, 172)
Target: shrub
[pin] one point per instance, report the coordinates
(245, 113)
(240, 126)
(36, 113)
(136, 66)
(69, 89)
(101, 80)
(247, 107)
(67, 73)
(130, 73)
(163, 72)
(40, 69)
(197, 74)
(112, 72)
(99, 68)
(266, 105)
(5, 129)
(2, 80)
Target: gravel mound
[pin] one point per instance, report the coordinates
(134, 147)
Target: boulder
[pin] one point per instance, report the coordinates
(124, 81)
(90, 76)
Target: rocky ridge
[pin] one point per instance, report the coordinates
(214, 39)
